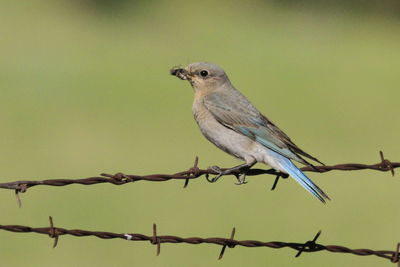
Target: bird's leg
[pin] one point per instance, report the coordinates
(240, 177)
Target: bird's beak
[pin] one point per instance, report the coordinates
(182, 74)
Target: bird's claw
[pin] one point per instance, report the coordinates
(219, 172)
(240, 176)
(215, 169)
(241, 179)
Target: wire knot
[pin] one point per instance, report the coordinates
(309, 246)
(121, 177)
(396, 255)
(228, 243)
(386, 165)
(194, 171)
(20, 189)
(53, 232)
(155, 240)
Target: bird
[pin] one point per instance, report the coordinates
(232, 123)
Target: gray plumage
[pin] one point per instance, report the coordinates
(228, 119)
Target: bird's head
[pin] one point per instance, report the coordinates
(201, 75)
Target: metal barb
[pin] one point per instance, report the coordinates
(275, 182)
(195, 171)
(308, 245)
(53, 232)
(221, 254)
(19, 202)
(186, 183)
(278, 176)
(155, 240)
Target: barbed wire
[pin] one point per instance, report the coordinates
(157, 240)
(190, 174)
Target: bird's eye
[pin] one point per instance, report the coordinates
(204, 73)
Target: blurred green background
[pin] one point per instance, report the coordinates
(85, 89)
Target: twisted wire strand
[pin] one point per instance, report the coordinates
(309, 246)
(191, 174)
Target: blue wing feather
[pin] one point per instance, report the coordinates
(247, 120)
(238, 114)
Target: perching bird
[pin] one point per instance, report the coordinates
(232, 123)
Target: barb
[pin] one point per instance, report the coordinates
(155, 240)
(53, 233)
(221, 254)
(192, 173)
(309, 246)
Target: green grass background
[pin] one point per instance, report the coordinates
(85, 89)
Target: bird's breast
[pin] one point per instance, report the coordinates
(226, 139)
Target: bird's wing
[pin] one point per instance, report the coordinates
(238, 114)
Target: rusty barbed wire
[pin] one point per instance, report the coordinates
(157, 240)
(192, 173)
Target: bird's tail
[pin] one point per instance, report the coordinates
(302, 179)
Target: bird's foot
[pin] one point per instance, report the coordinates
(241, 179)
(215, 169)
(239, 176)
(219, 172)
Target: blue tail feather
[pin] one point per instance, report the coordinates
(302, 179)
